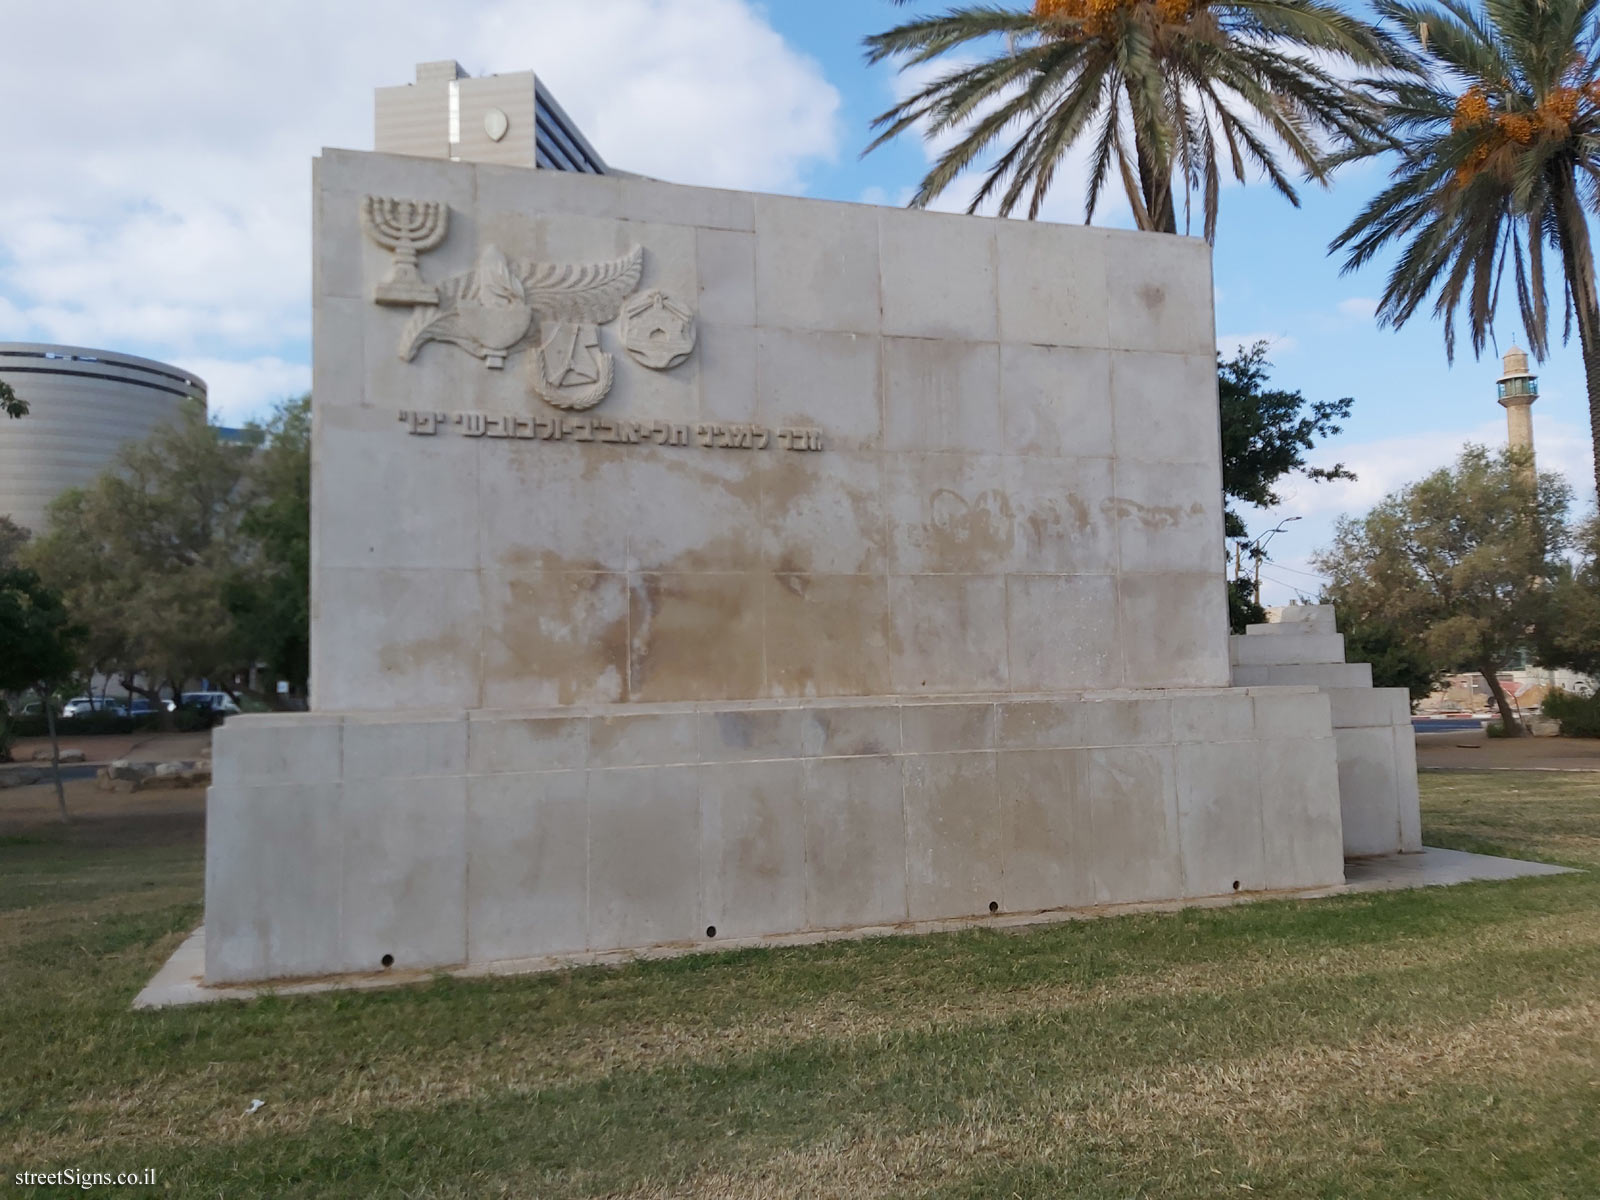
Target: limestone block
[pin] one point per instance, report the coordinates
(1328, 675)
(552, 534)
(514, 190)
(1369, 790)
(1047, 811)
(1062, 632)
(827, 635)
(1369, 706)
(948, 513)
(1056, 401)
(695, 636)
(727, 355)
(642, 199)
(644, 857)
(389, 748)
(644, 739)
(434, 524)
(554, 637)
(1217, 717)
(1075, 722)
(940, 394)
(1305, 618)
(1301, 826)
(855, 843)
(1051, 284)
(816, 265)
(1176, 629)
(824, 513)
(1287, 651)
(724, 495)
(341, 372)
(528, 855)
(938, 276)
(395, 639)
(1219, 818)
(272, 879)
(1158, 294)
(1135, 821)
(753, 847)
(930, 728)
(1062, 522)
(264, 749)
(1164, 407)
(849, 730)
(948, 633)
(1168, 517)
(746, 734)
(954, 834)
(726, 265)
(1405, 771)
(500, 744)
(1291, 713)
(403, 873)
(826, 379)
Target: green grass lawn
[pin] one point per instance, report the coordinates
(1443, 1042)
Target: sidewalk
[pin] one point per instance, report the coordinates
(1509, 754)
(103, 748)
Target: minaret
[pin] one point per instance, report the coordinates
(1519, 388)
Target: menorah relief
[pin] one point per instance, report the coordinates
(407, 227)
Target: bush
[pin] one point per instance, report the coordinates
(1579, 715)
(184, 720)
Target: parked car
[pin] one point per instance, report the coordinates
(143, 707)
(217, 702)
(82, 706)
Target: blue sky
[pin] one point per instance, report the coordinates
(165, 203)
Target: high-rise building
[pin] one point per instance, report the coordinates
(512, 120)
(84, 405)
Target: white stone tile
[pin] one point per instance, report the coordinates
(1300, 821)
(753, 847)
(1135, 822)
(1219, 818)
(947, 633)
(935, 728)
(824, 379)
(949, 513)
(528, 856)
(816, 265)
(403, 873)
(1063, 519)
(747, 734)
(1270, 651)
(855, 843)
(1213, 718)
(727, 266)
(250, 750)
(727, 355)
(1165, 407)
(1062, 632)
(954, 834)
(1175, 630)
(1048, 815)
(694, 512)
(940, 394)
(1368, 791)
(938, 275)
(849, 729)
(500, 744)
(1052, 284)
(1292, 714)
(528, 519)
(644, 739)
(644, 857)
(1056, 401)
(1405, 772)
(1158, 294)
(824, 513)
(554, 637)
(643, 199)
(386, 748)
(1077, 721)
(1369, 706)
(1169, 517)
(272, 879)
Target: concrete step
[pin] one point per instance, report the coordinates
(1282, 651)
(1360, 707)
(1325, 675)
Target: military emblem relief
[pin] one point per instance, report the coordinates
(553, 310)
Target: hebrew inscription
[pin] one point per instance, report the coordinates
(555, 428)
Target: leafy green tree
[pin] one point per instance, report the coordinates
(1500, 158)
(269, 595)
(37, 648)
(13, 538)
(1572, 634)
(1167, 93)
(1266, 433)
(11, 404)
(1463, 558)
(1397, 658)
(145, 553)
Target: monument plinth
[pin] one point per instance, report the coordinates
(693, 566)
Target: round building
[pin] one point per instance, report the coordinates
(83, 405)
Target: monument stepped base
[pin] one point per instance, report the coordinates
(355, 842)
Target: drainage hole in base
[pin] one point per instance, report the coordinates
(994, 906)
(387, 960)
(711, 931)
(1236, 885)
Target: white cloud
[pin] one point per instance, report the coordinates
(161, 167)
(241, 389)
(1358, 308)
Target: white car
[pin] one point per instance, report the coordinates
(82, 706)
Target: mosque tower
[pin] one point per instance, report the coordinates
(1519, 388)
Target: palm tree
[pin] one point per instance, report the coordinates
(1500, 156)
(1162, 89)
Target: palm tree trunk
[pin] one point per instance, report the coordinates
(1577, 253)
(1155, 183)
